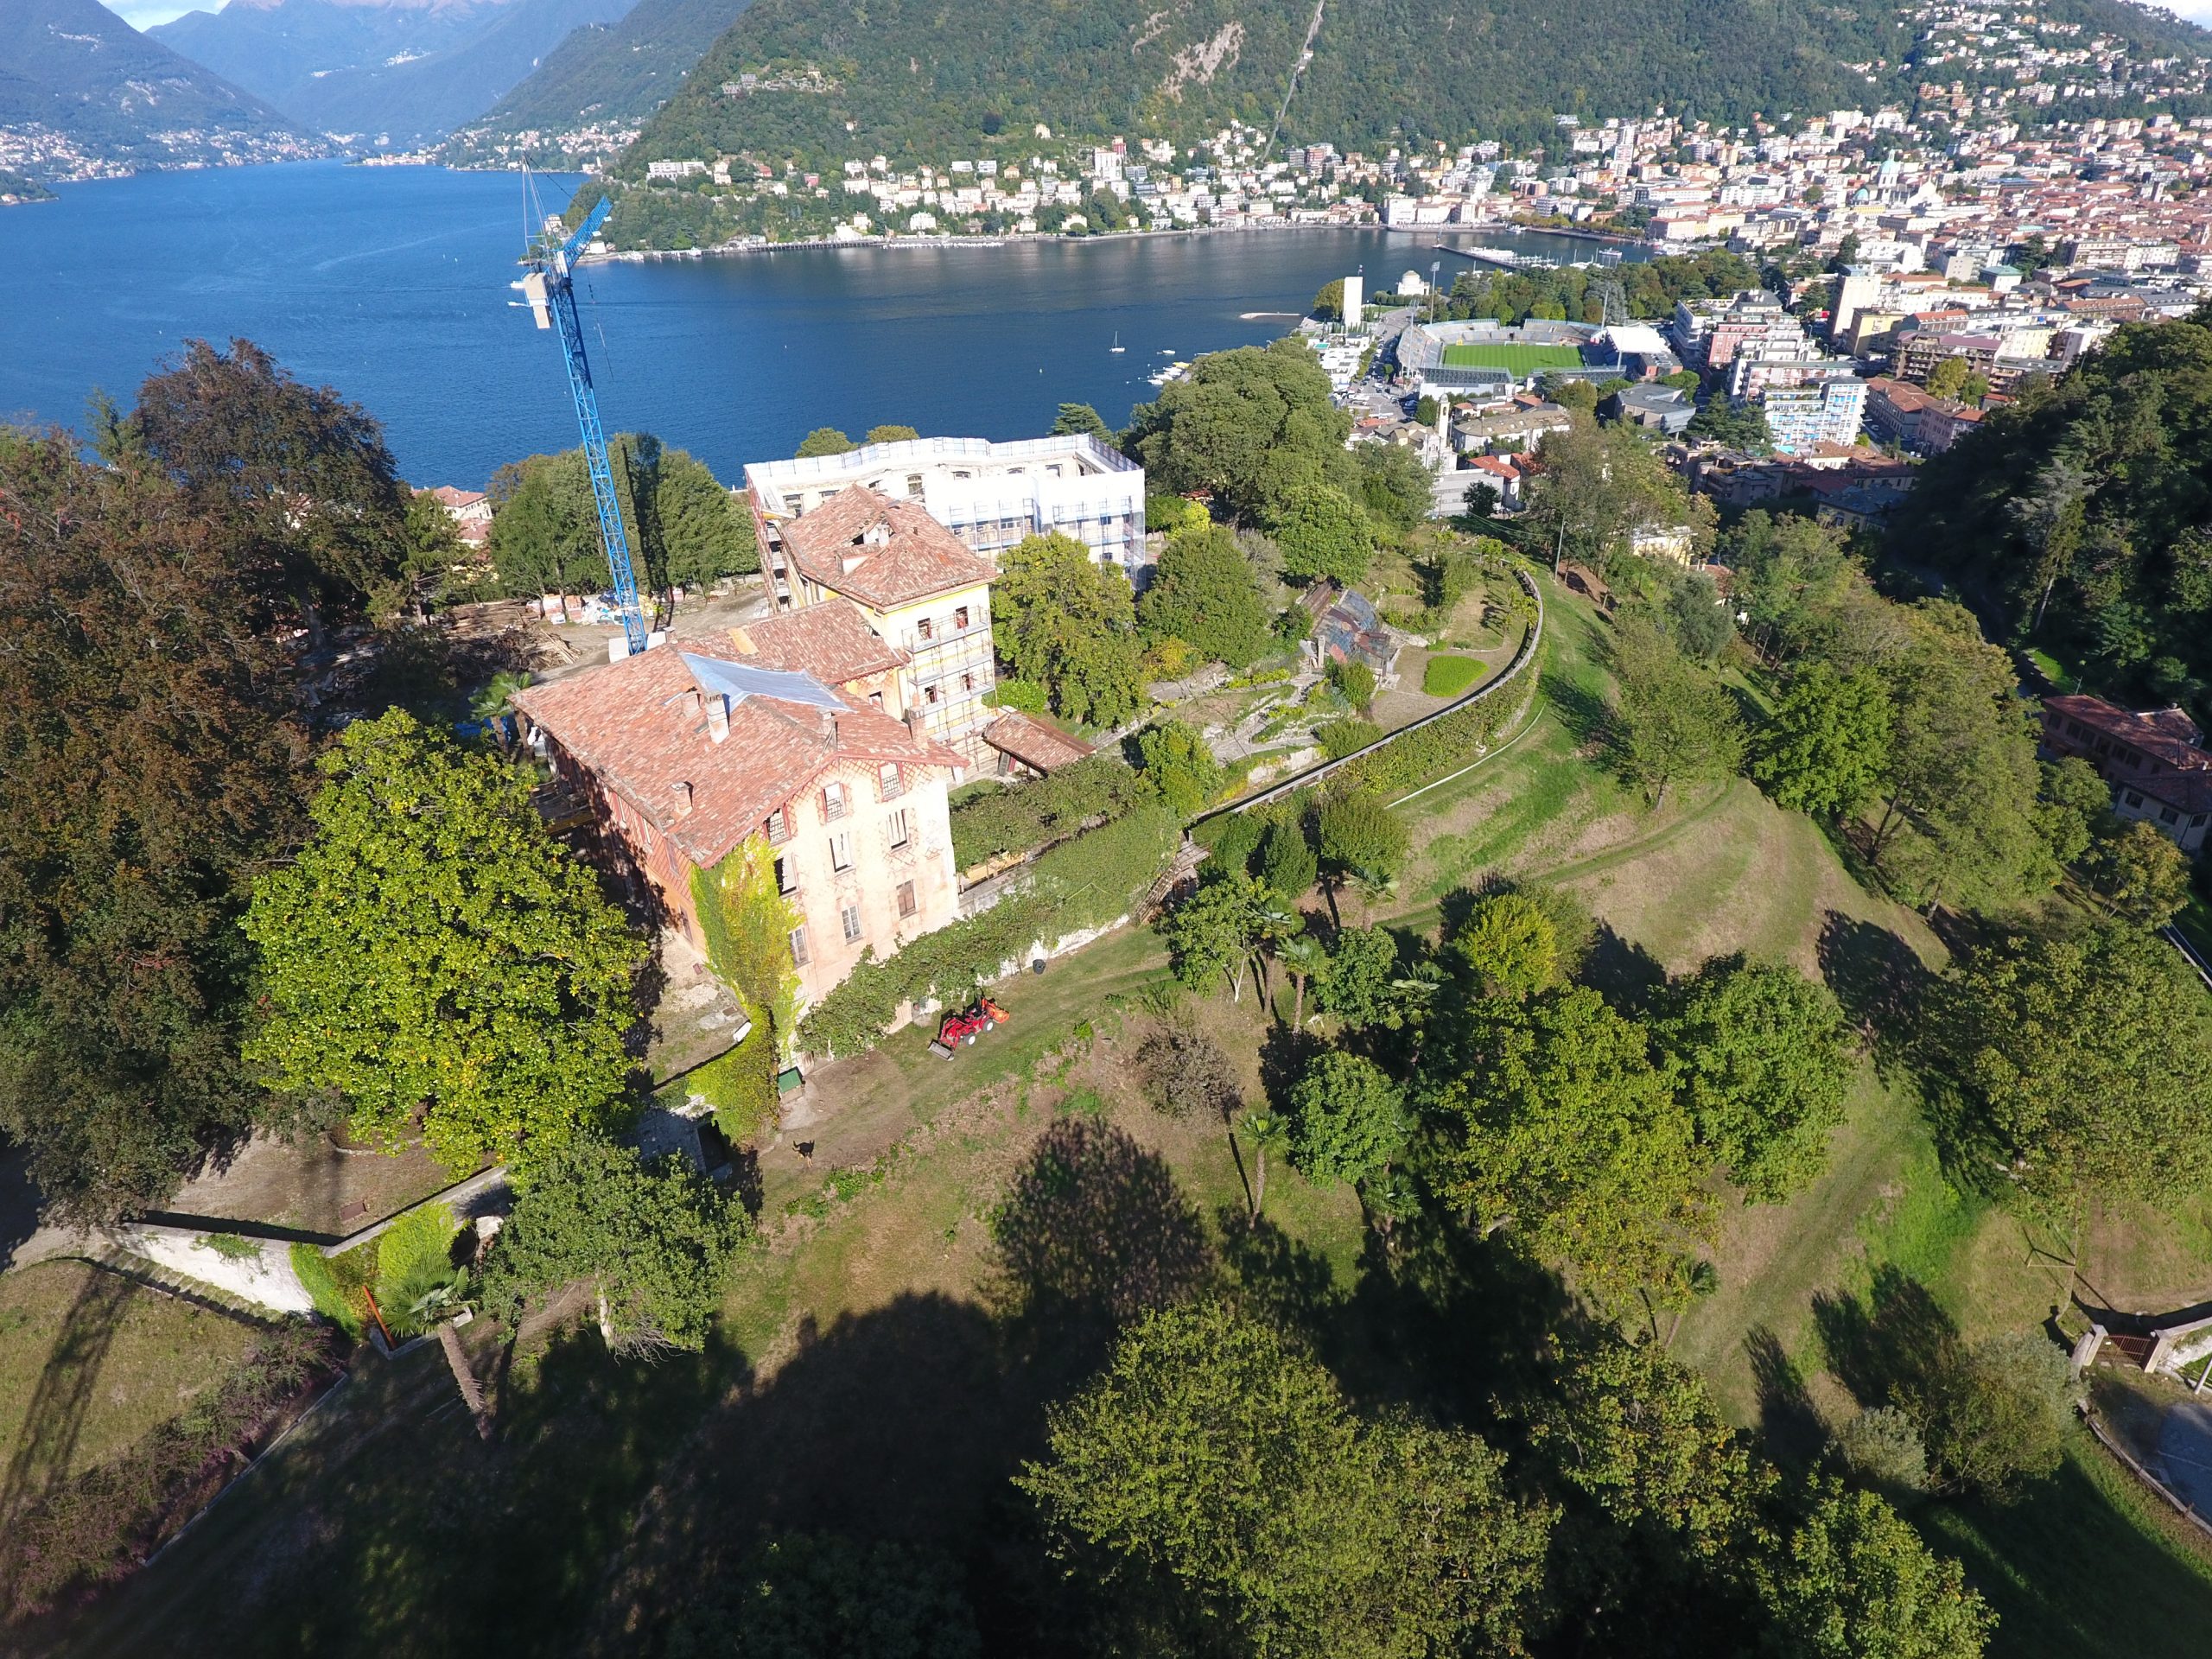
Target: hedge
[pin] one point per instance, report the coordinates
(1413, 756)
(740, 1086)
(1082, 883)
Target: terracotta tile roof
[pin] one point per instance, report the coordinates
(2170, 734)
(882, 552)
(641, 726)
(833, 642)
(1036, 744)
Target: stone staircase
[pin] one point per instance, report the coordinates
(154, 1276)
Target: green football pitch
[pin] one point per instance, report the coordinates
(1514, 358)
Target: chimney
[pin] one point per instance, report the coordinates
(718, 717)
(914, 718)
(829, 726)
(682, 800)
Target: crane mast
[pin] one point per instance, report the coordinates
(552, 296)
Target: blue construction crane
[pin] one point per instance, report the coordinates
(551, 297)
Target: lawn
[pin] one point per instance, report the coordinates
(90, 1361)
(1449, 677)
(1514, 358)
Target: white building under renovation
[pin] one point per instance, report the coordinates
(990, 495)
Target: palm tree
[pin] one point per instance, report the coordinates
(489, 707)
(1302, 956)
(1266, 1129)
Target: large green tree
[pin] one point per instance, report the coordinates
(1215, 1482)
(1762, 1058)
(2090, 1056)
(153, 745)
(1241, 423)
(1963, 823)
(1068, 622)
(684, 529)
(1672, 721)
(651, 1237)
(433, 957)
(1552, 1124)
(150, 764)
(1827, 746)
(1204, 593)
(311, 506)
(1854, 1581)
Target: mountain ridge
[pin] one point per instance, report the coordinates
(609, 78)
(403, 72)
(110, 97)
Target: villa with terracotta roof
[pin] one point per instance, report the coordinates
(794, 732)
(2155, 761)
(914, 584)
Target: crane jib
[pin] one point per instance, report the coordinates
(562, 293)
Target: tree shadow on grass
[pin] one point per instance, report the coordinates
(1581, 711)
(1791, 1427)
(62, 1398)
(1887, 991)
(1093, 1231)
(1623, 972)
(1891, 1344)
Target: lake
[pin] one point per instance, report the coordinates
(391, 283)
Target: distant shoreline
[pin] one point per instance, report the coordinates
(642, 256)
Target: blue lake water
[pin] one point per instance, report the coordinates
(390, 283)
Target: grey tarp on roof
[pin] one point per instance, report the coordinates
(737, 683)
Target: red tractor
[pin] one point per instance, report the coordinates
(967, 1025)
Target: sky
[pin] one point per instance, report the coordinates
(144, 13)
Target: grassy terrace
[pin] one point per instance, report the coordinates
(89, 1361)
(870, 1376)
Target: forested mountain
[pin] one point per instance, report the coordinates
(410, 73)
(915, 81)
(610, 77)
(2081, 517)
(72, 68)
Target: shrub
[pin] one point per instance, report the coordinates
(338, 1303)
(1287, 861)
(1448, 676)
(1356, 680)
(1881, 1447)
(1339, 738)
(1361, 836)
(994, 822)
(1185, 1073)
(229, 1246)
(1235, 837)
(418, 1283)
